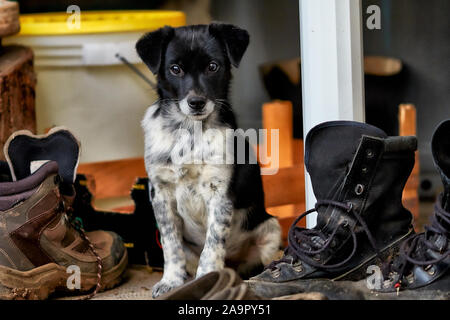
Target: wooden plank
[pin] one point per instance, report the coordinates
(114, 178)
(285, 187)
(299, 152)
(278, 115)
(407, 127)
(382, 66)
(373, 65)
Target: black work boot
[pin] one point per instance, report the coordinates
(424, 259)
(358, 174)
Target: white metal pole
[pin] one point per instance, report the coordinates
(332, 67)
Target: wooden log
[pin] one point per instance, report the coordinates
(17, 91)
(9, 18)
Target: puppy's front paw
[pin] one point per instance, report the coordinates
(165, 286)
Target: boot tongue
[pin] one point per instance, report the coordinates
(440, 147)
(26, 153)
(329, 151)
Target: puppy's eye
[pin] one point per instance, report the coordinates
(176, 70)
(213, 67)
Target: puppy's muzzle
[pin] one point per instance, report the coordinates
(196, 103)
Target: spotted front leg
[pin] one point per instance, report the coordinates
(170, 225)
(220, 213)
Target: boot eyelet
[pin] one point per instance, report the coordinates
(359, 189)
(276, 273)
(364, 169)
(298, 269)
(369, 153)
(350, 206)
(297, 266)
(430, 270)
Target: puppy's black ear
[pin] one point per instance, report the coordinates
(151, 45)
(235, 39)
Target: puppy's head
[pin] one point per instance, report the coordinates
(193, 64)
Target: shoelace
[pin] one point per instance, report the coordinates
(418, 244)
(301, 240)
(76, 224)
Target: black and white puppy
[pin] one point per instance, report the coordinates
(210, 210)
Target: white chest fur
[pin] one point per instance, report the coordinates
(191, 165)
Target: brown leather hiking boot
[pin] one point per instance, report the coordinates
(38, 244)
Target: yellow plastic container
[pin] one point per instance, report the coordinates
(84, 86)
(59, 23)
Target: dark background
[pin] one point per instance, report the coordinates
(414, 31)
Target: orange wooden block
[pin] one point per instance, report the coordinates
(407, 127)
(114, 178)
(285, 187)
(299, 158)
(278, 115)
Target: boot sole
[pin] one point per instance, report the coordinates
(360, 271)
(273, 289)
(40, 282)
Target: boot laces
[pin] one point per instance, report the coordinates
(306, 244)
(77, 225)
(414, 250)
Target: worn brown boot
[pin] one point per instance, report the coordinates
(41, 252)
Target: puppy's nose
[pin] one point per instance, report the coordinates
(196, 103)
